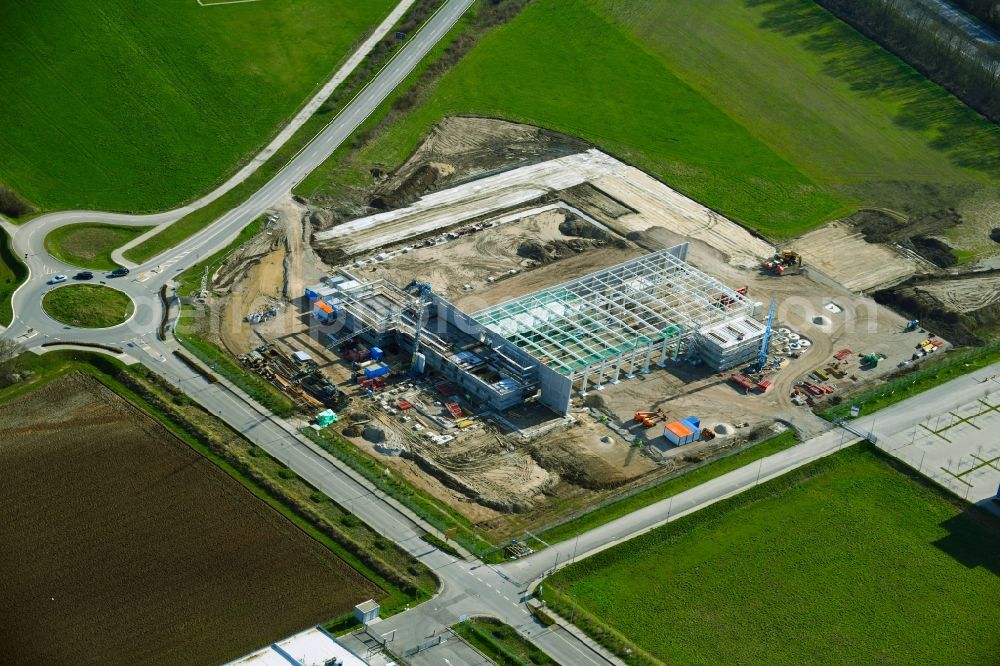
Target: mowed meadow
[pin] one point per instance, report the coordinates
(773, 112)
(140, 106)
(847, 560)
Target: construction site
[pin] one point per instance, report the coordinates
(526, 343)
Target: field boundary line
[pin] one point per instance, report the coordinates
(224, 2)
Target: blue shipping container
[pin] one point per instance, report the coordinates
(377, 354)
(376, 371)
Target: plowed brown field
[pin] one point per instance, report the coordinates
(119, 544)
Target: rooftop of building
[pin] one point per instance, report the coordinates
(613, 311)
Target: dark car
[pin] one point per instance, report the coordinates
(83, 275)
(119, 272)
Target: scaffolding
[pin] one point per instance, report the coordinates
(619, 316)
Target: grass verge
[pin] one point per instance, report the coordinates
(89, 244)
(833, 563)
(12, 273)
(501, 643)
(436, 513)
(88, 305)
(668, 488)
(909, 383)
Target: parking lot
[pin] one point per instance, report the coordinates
(956, 447)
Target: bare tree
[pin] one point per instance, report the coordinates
(10, 361)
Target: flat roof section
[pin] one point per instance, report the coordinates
(611, 312)
(730, 333)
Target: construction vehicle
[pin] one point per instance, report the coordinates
(649, 419)
(780, 263)
(913, 325)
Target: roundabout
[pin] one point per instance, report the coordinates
(88, 306)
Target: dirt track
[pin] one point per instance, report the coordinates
(124, 546)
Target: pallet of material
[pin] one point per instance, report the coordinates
(842, 354)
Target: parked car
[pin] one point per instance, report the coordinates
(119, 272)
(56, 279)
(83, 275)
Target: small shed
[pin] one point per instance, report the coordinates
(366, 612)
(679, 433)
(301, 357)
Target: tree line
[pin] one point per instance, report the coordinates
(943, 53)
(987, 11)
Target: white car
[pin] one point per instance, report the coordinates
(56, 279)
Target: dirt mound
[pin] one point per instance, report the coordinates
(964, 308)
(934, 250)
(320, 219)
(459, 149)
(545, 253)
(534, 250)
(588, 472)
(420, 180)
(917, 233)
(574, 226)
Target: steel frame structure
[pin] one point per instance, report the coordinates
(619, 315)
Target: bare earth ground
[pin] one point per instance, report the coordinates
(121, 545)
(842, 253)
(965, 295)
(472, 260)
(528, 192)
(276, 264)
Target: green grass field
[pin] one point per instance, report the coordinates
(89, 244)
(773, 112)
(834, 104)
(88, 305)
(848, 560)
(140, 106)
(12, 274)
(649, 117)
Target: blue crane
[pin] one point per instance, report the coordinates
(423, 291)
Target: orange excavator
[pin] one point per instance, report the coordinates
(649, 419)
